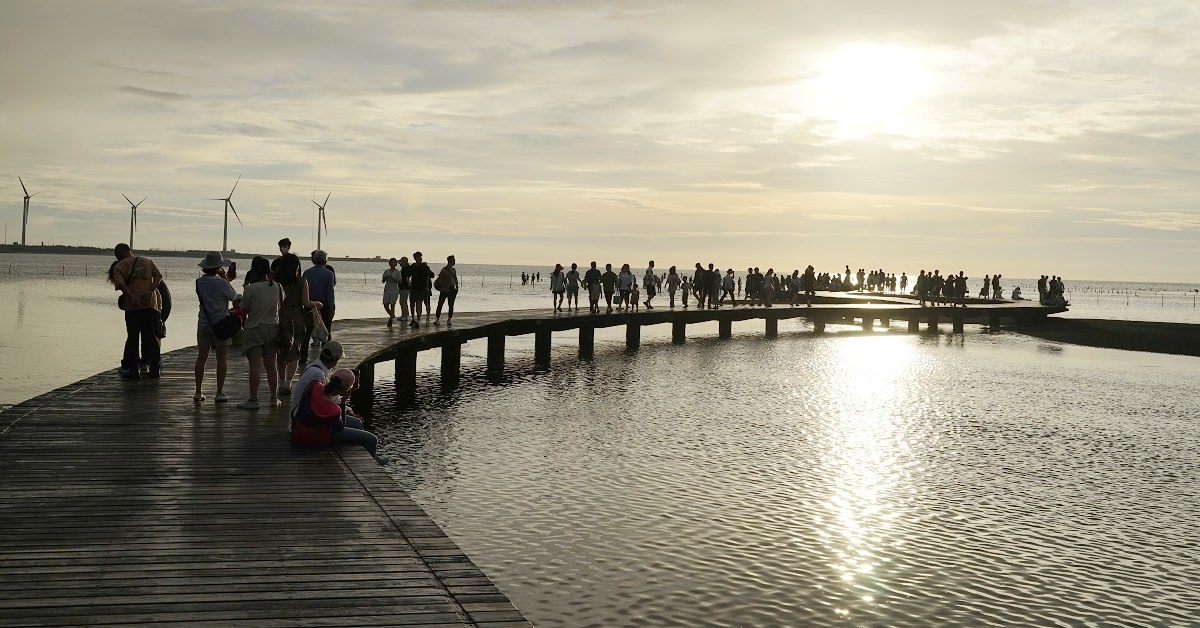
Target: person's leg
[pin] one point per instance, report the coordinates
(272, 371)
(327, 318)
(403, 305)
(222, 367)
(361, 437)
(129, 358)
(451, 298)
(304, 337)
(201, 360)
(254, 356)
(441, 301)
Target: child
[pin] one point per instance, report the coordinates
(634, 298)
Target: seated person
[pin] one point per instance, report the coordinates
(1016, 294)
(321, 417)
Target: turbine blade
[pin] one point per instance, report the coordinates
(318, 206)
(33, 195)
(239, 180)
(324, 222)
(127, 198)
(235, 215)
(143, 200)
(23, 186)
(326, 199)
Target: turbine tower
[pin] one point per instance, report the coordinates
(25, 210)
(133, 217)
(228, 206)
(321, 218)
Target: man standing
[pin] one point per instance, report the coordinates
(609, 281)
(419, 288)
(448, 280)
(137, 278)
(405, 285)
(573, 280)
(591, 281)
(650, 283)
(321, 281)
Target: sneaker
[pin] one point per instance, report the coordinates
(249, 404)
(152, 374)
(414, 324)
(144, 369)
(220, 398)
(128, 373)
(381, 459)
(276, 402)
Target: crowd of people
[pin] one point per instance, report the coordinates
(280, 312)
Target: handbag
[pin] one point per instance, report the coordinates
(225, 328)
(160, 328)
(320, 332)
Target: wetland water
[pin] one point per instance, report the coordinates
(848, 479)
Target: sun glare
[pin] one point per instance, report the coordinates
(869, 88)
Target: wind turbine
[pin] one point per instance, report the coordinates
(228, 206)
(321, 218)
(133, 216)
(25, 211)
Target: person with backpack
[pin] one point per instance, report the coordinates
(322, 418)
(137, 278)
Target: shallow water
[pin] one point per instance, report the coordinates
(845, 479)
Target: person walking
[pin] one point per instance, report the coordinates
(293, 321)
(321, 282)
(650, 284)
(592, 283)
(215, 295)
(573, 281)
(137, 278)
(422, 282)
(608, 281)
(558, 286)
(261, 300)
(448, 281)
(625, 283)
(673, 283)
(405, 294)
(392, 278)
(727, 288)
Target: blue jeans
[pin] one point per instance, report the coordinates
(354, 433)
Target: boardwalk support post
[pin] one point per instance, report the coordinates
(495, 355)
(958, 322)
(633, 336)
(993, 321)
(406, 373)
(725, 328)
(868, 323)
(541, 348)
(587, 342)
(772, 327)
(818, 325)
(885, 322)
(914, 325)
(451, 361)
(932, 320)
(678, 331)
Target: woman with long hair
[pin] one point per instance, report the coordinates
(261, 299)
(292, 320)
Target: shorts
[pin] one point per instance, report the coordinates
(572, 291)
(650, 291)
(556, 291)
(260, 337)
(206, 339)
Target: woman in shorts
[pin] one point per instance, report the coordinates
(261, 299)
(292, 320)
(216, 295)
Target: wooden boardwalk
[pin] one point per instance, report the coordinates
(122, 502)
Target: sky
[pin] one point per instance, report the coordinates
(1024, 137)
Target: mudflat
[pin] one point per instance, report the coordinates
(1173, 338)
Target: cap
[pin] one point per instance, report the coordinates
(332, 350)
(213, 260)
(345, 377)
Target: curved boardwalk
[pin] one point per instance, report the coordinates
(123, 502)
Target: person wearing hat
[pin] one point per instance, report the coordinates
(331, 354)
(215, 295)
(558, 286)
(322, 418)
(137, 278)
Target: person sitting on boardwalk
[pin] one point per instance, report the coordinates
(322, 418)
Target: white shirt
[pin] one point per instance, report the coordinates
(316, 371)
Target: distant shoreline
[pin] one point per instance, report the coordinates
(1170, 338)
(107, 251)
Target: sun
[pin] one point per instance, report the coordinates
(867, 89)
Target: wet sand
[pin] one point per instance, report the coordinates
(1173, 338)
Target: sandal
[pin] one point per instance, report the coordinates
(220, 398)
(198, 398)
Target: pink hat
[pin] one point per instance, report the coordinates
(558, 267)
(344, 376)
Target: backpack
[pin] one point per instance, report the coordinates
(308, 428)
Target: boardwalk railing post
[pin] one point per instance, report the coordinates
(451, 361)
(587, 342)
(931, 321)
(495, 355)
(914, 324)
(772, 326)
(993, 321)
(541, 348)
(633, 335)
(885, 322)
(678, 331)
(818, 325)
(868, 323)
(406, 373)
(725, 328)
(958, 322)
